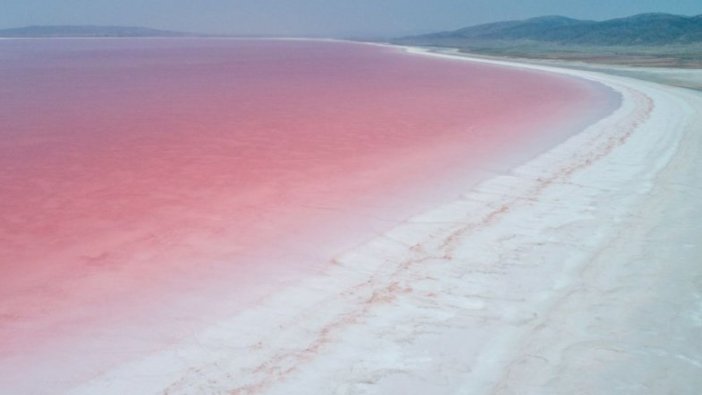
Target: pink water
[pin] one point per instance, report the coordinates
(147, 186)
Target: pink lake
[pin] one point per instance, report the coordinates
(148, 186)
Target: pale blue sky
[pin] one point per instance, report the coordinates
(318, 17)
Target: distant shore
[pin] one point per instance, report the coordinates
(683, 77)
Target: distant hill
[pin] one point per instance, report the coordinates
(88, 31)
(657, 40)
(643, 29)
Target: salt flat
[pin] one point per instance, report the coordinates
(577, 272)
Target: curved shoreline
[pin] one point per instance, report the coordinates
(527, 284)
(547, 279)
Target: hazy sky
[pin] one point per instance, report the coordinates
(317, 17)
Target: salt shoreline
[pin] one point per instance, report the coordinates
(517, 287)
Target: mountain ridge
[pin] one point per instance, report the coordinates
(641, 29)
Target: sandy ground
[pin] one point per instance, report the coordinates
(579, 272)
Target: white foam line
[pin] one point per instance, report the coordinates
(465, 298)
